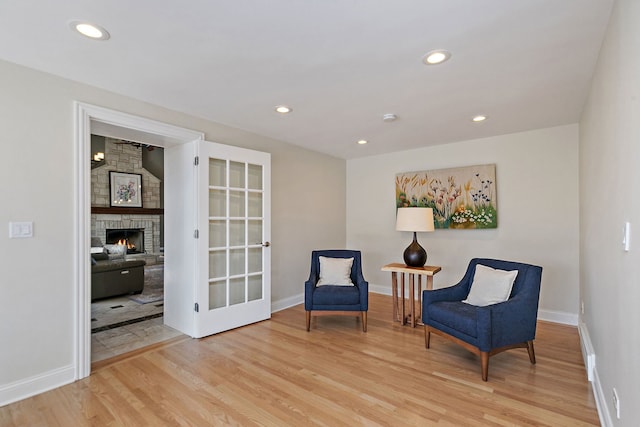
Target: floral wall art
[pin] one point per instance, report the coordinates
(125, 189)
(463, 198)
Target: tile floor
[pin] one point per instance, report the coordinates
(112, 342)
(120, 309)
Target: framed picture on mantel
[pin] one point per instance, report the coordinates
(125, 189)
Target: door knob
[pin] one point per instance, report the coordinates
(266, 244)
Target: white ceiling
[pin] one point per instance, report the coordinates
(340, 64)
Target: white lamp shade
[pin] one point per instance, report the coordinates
(414, 219)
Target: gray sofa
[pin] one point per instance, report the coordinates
(117, 276)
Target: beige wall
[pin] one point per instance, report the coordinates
(37, 175)
(537, 186)
(610, 196)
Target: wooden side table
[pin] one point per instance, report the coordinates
(395, 268)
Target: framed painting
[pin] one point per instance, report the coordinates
(461, 198)
(125, 189)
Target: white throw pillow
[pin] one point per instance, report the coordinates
(490, 286)
(116, 251)
(335, 271)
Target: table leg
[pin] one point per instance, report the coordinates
(403, 320)
(413, 298)
(420, 297)
(394, 292)
(429, 282)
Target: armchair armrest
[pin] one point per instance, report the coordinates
(308, 291)
(507, 322)
(363, 287)
(452, 293)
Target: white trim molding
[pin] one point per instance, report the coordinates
(588, 354)
(37, 384)
(286, 302)
(380, 289)
(120, 125)
(601, 401)
(558, 317)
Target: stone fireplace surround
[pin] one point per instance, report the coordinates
(121, 156)
(150, 223)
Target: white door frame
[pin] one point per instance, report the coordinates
(118, 125)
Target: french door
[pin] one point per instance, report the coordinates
(233, 277)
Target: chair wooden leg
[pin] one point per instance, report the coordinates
(308, 321)
(532, 353)
(364, 321)
(427, 336)
(484, 361)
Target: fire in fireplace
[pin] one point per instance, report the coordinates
(132, 238)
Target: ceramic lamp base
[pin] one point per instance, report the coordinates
(415, 255)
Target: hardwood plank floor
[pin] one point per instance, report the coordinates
(275, 373)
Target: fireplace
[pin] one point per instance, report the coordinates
(132, 238)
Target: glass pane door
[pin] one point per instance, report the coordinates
(235, 238)
(236, 244)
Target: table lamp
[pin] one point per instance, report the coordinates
(415, 219)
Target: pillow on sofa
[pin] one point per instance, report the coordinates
(490, 286)
(116, 251)
(335, 271)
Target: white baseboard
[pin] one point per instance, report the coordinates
(380, 289)
(28, 387)
(588, 354)
(287, 302)
(601, 401)
(558, 317)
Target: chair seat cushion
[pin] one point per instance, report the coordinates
(456, 315)
(336, 295)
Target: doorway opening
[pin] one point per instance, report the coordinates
(100, 121)
(127, 253)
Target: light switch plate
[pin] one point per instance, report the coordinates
(20, 230)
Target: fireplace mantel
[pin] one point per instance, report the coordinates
(126, 211)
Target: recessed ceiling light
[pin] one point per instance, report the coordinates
(436, 57)
(389, 117)
(362, 141)
(283, 109)
(479, 118)
(92, 31)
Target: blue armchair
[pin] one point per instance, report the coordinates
(334, 299)
(490, 329)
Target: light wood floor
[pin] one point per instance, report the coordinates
(275, 373)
